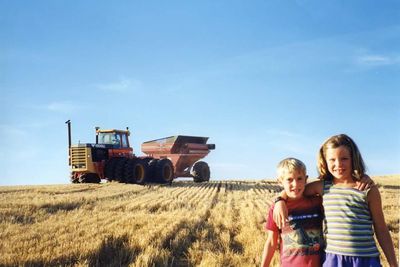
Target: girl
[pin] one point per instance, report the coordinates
(349, 212)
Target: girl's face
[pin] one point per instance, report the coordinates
(339, 162)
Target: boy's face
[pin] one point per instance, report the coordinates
(294, 183)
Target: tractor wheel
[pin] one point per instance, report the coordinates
(109, 168)
(89, 178)
(119, 172)
(136, 171)
(151, 170)
(95, 178)
(201, 172)
(73, 179)
(164, 171)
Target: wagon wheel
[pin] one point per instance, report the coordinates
(201, 172)
(164, 171)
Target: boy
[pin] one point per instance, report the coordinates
(301, 240)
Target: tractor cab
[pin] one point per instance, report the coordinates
(116, 138)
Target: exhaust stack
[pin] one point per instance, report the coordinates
(69, 141)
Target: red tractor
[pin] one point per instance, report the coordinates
(112, 158)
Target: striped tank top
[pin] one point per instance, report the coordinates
(348, 222)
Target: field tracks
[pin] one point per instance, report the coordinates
(219, 223)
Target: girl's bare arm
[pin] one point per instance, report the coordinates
(380, 227)
(313, 188)
(365, 183)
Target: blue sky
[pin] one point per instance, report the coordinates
(264, 80)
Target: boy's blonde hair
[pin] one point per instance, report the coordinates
(290, 165)
(357, 162)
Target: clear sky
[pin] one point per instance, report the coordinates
(264, 80)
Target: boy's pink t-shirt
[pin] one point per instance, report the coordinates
(301, 240)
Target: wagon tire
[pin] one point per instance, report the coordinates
(201, 172)
(164, 171)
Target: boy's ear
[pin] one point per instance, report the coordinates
(306, 177)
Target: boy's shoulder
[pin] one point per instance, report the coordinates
(270, 223)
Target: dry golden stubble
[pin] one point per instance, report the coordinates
(183, 224)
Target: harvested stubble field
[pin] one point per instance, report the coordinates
(219, 223)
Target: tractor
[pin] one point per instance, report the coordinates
(111, 158)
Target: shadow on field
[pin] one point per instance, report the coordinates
(62, 261)
(65, 206)
(25, 214)
(395, 187)
(114, 251)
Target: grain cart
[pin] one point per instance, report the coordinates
(112, 158)
(184, 152)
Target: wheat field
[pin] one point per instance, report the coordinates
(219, 223)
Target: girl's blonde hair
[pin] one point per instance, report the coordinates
(290, 165)
(336, 141)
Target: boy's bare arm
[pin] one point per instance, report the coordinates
(269, 248)
(280, 208)
(380, 227)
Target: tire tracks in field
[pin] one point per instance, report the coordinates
(235, 245)
(180, 236)
(179, 255)
(214, 231)
(46, 203)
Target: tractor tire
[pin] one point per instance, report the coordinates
(136, 171)
(151, 170)
(109, 168)
(96, 178)
(73, 179)
(89, 178)
(164, 171)
(119, 172)
(201, 172)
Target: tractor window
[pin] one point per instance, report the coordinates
(116, 140)
(109, 138)
(124, 140)
(105, 138)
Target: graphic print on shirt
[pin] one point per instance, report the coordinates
(302, 235)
